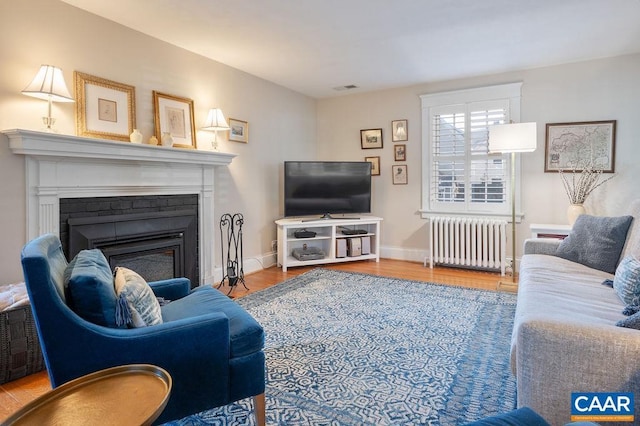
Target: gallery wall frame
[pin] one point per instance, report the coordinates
(371, 139)
(400, 152)
(400, 174)
(375, 165)
(105, 109)
(574, 146)
(238, 130)
(399, 130)
(174, 115)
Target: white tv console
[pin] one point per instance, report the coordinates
(328, 234)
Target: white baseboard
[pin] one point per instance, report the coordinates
(251, 264)
(399, 253)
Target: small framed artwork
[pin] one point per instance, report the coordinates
(371, 138)
(174, 116)
(399, 130)
(400, 152)
(574, 146)
(104, 108)
(375, 165)
(238, 131)
(400, 174)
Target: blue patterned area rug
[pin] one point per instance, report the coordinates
(356, 349)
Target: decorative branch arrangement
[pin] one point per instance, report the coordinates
(581, 183)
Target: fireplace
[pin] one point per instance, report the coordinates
(59, 167)
(156, 236)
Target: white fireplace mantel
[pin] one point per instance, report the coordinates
(62, 166)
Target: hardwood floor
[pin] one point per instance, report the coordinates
(17, 393)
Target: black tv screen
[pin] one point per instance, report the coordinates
(326, 187)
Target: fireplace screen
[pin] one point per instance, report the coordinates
(154, 260)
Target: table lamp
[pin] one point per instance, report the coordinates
(48, 84)
(215, 121)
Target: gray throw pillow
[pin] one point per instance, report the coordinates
(596, 241)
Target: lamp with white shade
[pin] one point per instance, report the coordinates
(513, 138)
(48, 84)
(215, 122)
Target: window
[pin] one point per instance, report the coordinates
(459, 175)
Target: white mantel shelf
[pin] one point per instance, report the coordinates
(42, 144)
(63, 166)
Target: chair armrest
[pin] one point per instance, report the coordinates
(172, 289)
(541, 246)
(200, 340)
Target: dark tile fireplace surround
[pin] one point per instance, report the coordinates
(155, 235)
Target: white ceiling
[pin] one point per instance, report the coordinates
(313, 46)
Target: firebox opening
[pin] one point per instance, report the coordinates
(156, 244)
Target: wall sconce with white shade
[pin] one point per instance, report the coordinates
(513, 138)
(48, 84)
(215, 121)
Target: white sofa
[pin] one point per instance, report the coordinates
(565, 337)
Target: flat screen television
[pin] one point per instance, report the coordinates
(326, 187)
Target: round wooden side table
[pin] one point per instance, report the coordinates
(126, 395)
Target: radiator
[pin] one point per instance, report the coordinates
(468, 242)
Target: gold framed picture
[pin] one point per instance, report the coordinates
(375, 165)
(238, 130)
(173, 116)
(104, 109)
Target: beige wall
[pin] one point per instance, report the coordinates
(282, 123)
(606, 89)
(286, 125)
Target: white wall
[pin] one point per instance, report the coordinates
(605, 89)
(282, 123)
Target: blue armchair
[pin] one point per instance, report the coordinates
(212, 348)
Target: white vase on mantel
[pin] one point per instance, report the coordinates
(136, 136)
(573, 211)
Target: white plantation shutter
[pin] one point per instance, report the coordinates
(460, 175)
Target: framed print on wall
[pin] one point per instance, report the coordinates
(574, 146)
(104, 108)
(238, 131)
(174, 115)
(399, 130)
(371, 138)
(400, 174)
(375, 165)
(400, 152)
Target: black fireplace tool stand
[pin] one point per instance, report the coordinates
(231, 236)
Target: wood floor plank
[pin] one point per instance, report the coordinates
(15, 394)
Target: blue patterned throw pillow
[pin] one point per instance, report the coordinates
(630, 322)
(626, 282)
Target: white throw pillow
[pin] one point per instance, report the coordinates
(142, 302)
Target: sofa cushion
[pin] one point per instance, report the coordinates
(143, 305)
(247, 336)
(596, 241)
(90, 288)
(626, 282)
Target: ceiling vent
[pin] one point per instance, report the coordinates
(347, 87)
